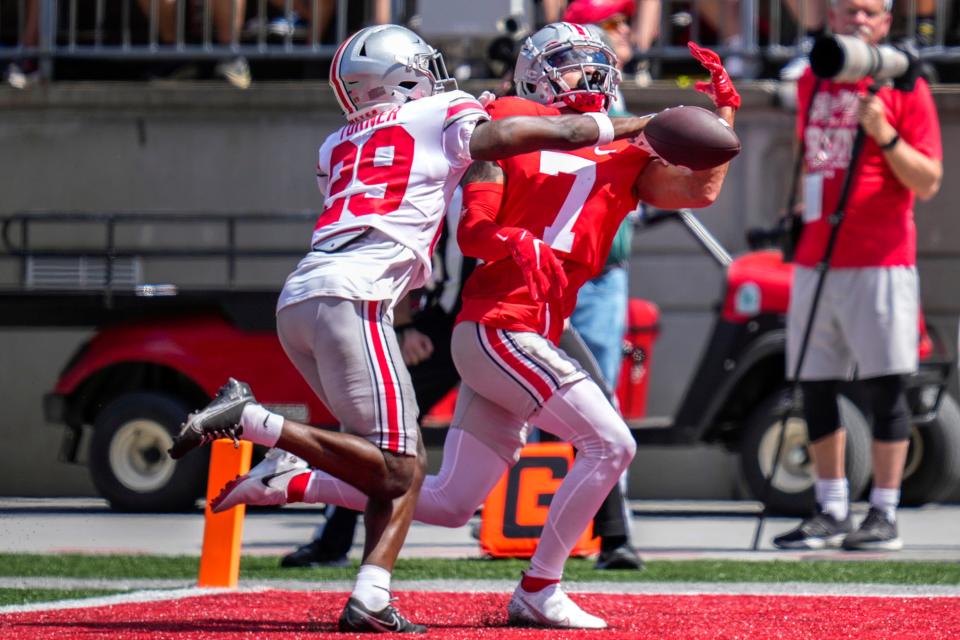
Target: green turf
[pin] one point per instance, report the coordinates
(25, 596)
(258, 567)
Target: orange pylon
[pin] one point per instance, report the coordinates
(223, 532)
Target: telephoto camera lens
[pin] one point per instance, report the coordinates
(849, 59)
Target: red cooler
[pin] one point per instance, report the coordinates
(643, 319)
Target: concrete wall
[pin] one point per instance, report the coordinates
(97, 147)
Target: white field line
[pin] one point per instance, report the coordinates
(161, 589)
(103, 601)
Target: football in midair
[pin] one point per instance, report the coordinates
(692, 137)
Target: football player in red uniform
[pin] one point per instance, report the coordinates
(543, 223)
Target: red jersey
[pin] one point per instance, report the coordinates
(574, 201)
(878, 228)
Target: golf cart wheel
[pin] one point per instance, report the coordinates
(932, 471)
(792, 489)
(129, 464)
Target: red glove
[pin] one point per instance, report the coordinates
(541, 269)
(720, 88)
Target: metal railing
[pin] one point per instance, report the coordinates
(755, 30)
(100, 240)
(175, 29)
(774, 30)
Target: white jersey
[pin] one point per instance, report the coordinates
(387, 181)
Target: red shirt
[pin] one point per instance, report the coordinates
(878, 228)
(574, 201)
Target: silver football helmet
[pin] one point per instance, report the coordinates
(560, 47)
(385, 65)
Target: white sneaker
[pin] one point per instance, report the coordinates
(265, 484)
(792, 71)
(236, 71)
(787, 88)
(549, 607)
(17, 78)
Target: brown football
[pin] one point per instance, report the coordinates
(692, 137)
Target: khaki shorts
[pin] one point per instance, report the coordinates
(866, 323)
(347, 352)
(507, 377)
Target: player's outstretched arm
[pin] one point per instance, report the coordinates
(507, 137)
(481, 236)
(669, 187)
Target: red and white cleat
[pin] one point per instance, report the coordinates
(549, 607)
(265, 484)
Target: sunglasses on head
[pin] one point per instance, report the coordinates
(614, 23)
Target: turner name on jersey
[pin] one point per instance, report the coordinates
(396, 171)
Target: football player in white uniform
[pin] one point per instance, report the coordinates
(387, 176)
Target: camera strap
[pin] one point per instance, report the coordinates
(801, 150)
(793, 222)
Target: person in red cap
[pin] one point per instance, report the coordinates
(614, 16)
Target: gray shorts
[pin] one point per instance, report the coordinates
(866, 323)
(347, 352)
(507, 376)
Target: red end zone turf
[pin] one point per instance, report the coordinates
(287, 615)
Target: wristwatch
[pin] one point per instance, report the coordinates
(890, 145)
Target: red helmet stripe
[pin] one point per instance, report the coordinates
(339, 86)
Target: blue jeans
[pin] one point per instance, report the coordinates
(601, 317)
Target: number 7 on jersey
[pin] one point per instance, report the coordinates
(559, 235)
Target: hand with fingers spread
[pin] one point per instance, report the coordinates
(542, 270)
(720, 88)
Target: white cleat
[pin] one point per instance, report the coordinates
(265, 484)
(549, 607)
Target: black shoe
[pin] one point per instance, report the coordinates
(356, 617)
(622, 557)
(313, 554)
(875, 533)
(220, 418)
(818, 532)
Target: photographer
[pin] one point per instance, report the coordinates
(867, 315)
